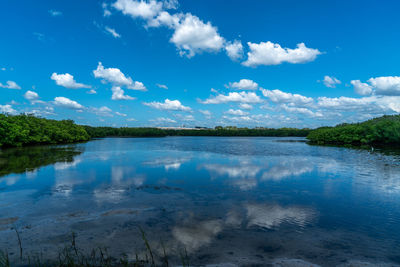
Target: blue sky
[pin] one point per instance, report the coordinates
(200, 63)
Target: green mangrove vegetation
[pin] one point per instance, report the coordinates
(379, 131)
(217, 131)
(21, 130)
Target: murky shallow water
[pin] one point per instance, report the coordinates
(231, 200)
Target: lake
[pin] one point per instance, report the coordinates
(227, 201)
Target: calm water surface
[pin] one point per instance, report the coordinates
(237, 201)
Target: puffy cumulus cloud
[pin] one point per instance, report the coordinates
(389, 85)
(10, 85)
(102, 111)
(386, 86)
(331, 82)
(7, 109)
(112, 32)
(49, 110)
(117, 78)
(193, 36)
(245, 106)
(277, 96)
(268, 53)
(365, 106)
(236, 112)
(244, 84)
(168, 105)
(119, 94)
(163, 120)
(234, 50)
(241, 97)
(91, 92)
(300, 110)
(67, 80)
(361, 88)
(67, 103)
(139, 9)
(31, 96)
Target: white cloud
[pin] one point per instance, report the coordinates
(236, 112)
(193, 36)
(372, 105)
(238, 118)
(141, 9)
(116, 77)
(245, 106)
(119, 94)
(268, 53)
(241, 97)
(67, 103)
(206, 113)
(10, 85)
(67, 80)
(170, 4)
(31, 96)
(91, 92)
(131, 119)
(386, 86)
(121, 114)
(234, 50)
(168, 105)
(304, 111)
(55, 13)
(163, 86)
(361, 88)
(163, 120)
(277, 96)
(389, 85)
(185, 118)
(102, 111)
(331, 82)
(244, 84)
(106, 11)
(7, 109)
(112, 32)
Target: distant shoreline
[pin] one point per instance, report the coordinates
(25, 130)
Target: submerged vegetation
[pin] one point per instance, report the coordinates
(379, 131)
(21, 130)
(72, 255)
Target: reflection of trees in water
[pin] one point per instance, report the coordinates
(20, 160)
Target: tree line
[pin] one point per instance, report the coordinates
(21, 130)
(379, 131)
